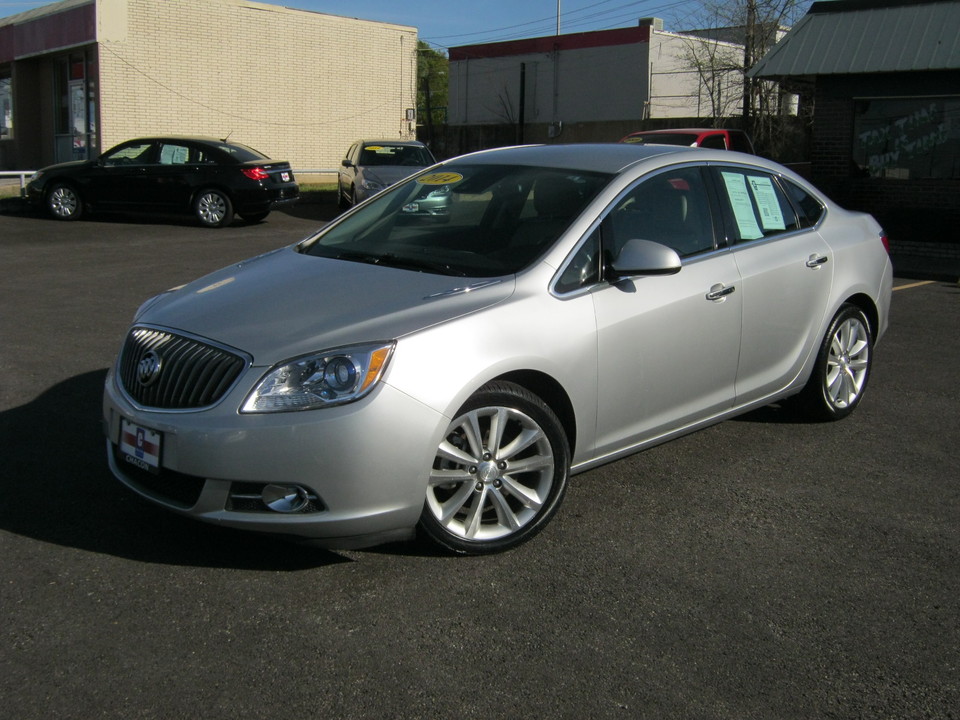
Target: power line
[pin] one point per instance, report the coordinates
(574, 18)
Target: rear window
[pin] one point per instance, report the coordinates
(241, 153)
(714, 142)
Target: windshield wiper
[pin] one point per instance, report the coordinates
(419, 264)
(396, 261)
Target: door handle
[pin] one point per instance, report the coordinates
(815, 261)
(720, 291)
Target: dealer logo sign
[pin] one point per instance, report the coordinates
(148, 369)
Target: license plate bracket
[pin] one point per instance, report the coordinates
(140, 446)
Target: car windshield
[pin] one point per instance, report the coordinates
(469, 220)
(663, 138)
(374, 154)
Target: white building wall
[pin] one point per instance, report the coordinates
(584, 85)
(677, 89)
(297, 85)
(654, 79)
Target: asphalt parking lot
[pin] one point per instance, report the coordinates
(762, 568)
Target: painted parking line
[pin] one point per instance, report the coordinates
(913, 285)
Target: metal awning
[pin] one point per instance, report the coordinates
(845, 37)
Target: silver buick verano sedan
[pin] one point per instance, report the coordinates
(582, 303)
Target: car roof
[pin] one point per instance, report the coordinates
(599, 157)
(181, 138)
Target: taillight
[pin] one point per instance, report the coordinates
(256, 173)
(886, 241)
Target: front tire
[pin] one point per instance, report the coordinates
(499, 474)
(843, 368)
(213, 208)
(64, 203)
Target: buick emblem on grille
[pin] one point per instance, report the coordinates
(148, 369)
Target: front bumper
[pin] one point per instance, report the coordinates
(365, 464)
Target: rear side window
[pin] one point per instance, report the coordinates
(755, 205)
(714, 142)
(809, 208)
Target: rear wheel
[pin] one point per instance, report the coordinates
(64, 203)
(213, 208)
(843, 367)
(499, 474)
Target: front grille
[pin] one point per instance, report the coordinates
(186, 373)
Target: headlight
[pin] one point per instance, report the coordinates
(372, 185)
(35, 176)
(329, 378)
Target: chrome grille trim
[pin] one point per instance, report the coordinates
(194, 373)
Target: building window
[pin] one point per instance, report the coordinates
(907, 138)
(75, 109)
(6, 106)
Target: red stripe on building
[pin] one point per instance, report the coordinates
(531, 46)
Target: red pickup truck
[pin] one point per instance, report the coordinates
(716, 138)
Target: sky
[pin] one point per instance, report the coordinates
(446, 23)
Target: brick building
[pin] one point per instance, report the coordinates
(79, 76)
(884, 76)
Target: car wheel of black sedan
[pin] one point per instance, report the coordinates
(64, 203)
(254, 217)
(213, 208)
(842, 370)
(499, 474)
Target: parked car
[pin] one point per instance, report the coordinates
(213, 179)
(372, 165)
(713, 138)
(583, 302)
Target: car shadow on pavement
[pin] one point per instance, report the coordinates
(56, 487)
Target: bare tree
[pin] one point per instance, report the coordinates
(755, 26)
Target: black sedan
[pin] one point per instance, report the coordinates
(211, 178)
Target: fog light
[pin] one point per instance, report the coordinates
(285, 498)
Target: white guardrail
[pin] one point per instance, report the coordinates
(24, 174)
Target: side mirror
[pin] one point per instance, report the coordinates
(346, 163)
(644, 257)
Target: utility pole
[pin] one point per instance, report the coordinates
(749, 49)
(558, 17)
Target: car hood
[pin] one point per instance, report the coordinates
(284, 304)
(388, 174)
(72, 165)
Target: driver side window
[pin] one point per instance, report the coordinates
(671, 208)
(138, 154)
